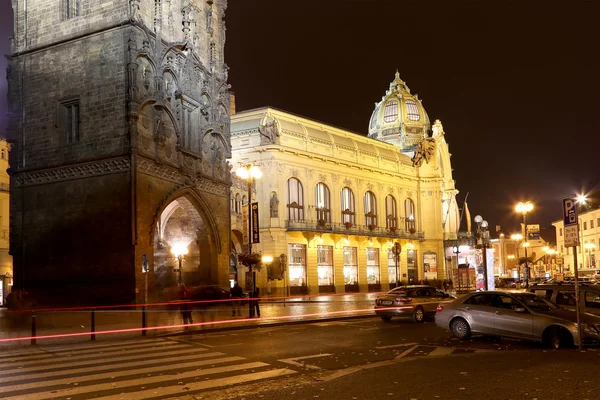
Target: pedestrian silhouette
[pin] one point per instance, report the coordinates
(236, 293)
(256, 300)
(186, 310)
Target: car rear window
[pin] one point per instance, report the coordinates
(592, 299)
(565, 298)
(545, 293)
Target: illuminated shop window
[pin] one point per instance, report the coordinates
(347, 205)
(350, 266)
(297, 264)
(391, 219)
(325, 265)
(390, 113)
(372, 266)
(412, 111)
(392, 266)
(295, 200)
(323, 202)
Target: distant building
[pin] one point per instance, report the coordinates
(589, 238)
(120, 124)
(6, 268)
(333, 204)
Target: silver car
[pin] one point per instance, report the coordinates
(415, 301)
(516, 315)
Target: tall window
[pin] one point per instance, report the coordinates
(347, 204)
(238, 204)
(390, 112)
(72, 8)
(391, 216)
(232, 202)
(295, 200)
(412, 110)
(323, 202)
(70, 120)
(409, 213)
(370, 209)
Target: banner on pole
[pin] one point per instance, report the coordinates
(255, 232)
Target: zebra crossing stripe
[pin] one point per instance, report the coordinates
(134, 384)
(195, 386)
(68, 348)
(111, 367)
(110, 375)
(42, 355)
(93, 362)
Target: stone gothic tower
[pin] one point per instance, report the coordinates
(120, 125)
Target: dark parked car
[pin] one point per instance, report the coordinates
(208, 293)
(415, 301)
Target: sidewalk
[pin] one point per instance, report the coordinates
(274, 311)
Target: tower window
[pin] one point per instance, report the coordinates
(412, 110)
(72, 8)
(390, 113)
(70, 120)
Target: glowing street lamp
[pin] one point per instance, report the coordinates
(249, 172)
(524, 208)
(179, 250)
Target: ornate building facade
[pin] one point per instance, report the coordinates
(6, 270)
(335, 207)
(120, 124)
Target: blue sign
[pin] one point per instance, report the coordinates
(570, 211)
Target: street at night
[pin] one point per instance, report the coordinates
(363, 358)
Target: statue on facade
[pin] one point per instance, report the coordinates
(269, 128)
(274, 206)
(425, 152)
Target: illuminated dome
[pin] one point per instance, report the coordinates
(399, 118)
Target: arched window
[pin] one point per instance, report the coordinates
(322, 202)
(390, 112)
(295, 200)
(244, 200)
(412, 110)
(370, 209)
(232, 202)
(238, 204)
(409, 213)
(347, 206)
(391, 215)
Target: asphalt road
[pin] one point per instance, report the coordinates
(362, 358)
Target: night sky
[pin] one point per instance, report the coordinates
(515, 83)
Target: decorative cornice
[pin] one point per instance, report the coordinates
(159, 170)
(71, 172)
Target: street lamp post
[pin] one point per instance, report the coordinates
(482, 232)
(456, 250)
(524, 208)
(179, 251)
(517, 237)
(249, 172)
(397, 252)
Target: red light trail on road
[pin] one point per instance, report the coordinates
(198, 324)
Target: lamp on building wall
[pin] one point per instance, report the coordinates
(524, 208)
(179, 250)
(249, 172)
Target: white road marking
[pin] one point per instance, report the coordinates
(135, 383)
(442, 351)
(391, 346)
(294, 361)
(109, 375)
(132, 364)
(184, 389)
(406, 352)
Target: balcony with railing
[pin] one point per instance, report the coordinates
(351, 229)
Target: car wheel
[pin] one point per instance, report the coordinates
(419, 315)
(460, 328)
(557, 338)
(386, 318)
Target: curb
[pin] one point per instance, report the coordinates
(195, 331)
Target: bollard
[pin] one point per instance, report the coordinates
(33, 328)
(93, 327)
(144, 321)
